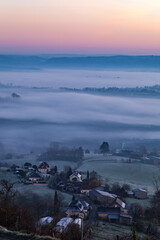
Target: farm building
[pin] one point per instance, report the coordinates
(78, 221)
(139, 193)
(114, 215)
(118, 203)
(130, 194)
(45, 220)
(44, 168)
(109, 213)
(125, 219)
(102, 197)
(75, 177)
(62, 224)
(42, 221)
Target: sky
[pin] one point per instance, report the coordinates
(80, 27)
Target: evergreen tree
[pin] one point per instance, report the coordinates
(104, 148)
(87, 151)
(73, 198)
(87, 175)
(80, 152)
(35, 167)
(134, 235)
(55, 198)
(56, 203)
(55, 169)
(27, 164)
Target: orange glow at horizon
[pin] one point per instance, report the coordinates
(87, 26)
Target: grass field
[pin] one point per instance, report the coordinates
(8, 176)
(145, 203)
(41, 190)
(105, 230)
(111, 167)
(135, 174)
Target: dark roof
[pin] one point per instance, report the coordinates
(139, 190)
(73, 203)
(75, 174)
(43, 165)
(84, 203)
(34, 175)
(95, 193)
(74, 208)
(109, 210)
(76, 203)
(98, 193)
(125, 215)
(119, 202)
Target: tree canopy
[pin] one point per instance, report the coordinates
(104, 147)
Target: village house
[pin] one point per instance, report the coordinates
(75, 177)
(85, 189)
(155, 160)
(44, 168)
(77, 208)
(81, 187)
(34, 177)
(76, 186)
(139, 193)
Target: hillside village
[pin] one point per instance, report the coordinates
(93, 200)
(90, 200)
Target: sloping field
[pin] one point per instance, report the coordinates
(8, 176)
(41, 190)
(135, 174)
(20, 162)
(105, 230)
(6, 234)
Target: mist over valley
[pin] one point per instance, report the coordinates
(77, 107)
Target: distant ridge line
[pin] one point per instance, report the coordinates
(37, 62)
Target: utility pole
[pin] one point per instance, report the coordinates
(81, 216)
(82, 229)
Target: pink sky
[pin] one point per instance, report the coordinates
(85, 26)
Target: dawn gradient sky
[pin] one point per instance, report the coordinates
(80, 26)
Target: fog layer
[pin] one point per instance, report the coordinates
(44, 113)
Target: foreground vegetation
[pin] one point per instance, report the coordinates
(7, 234)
